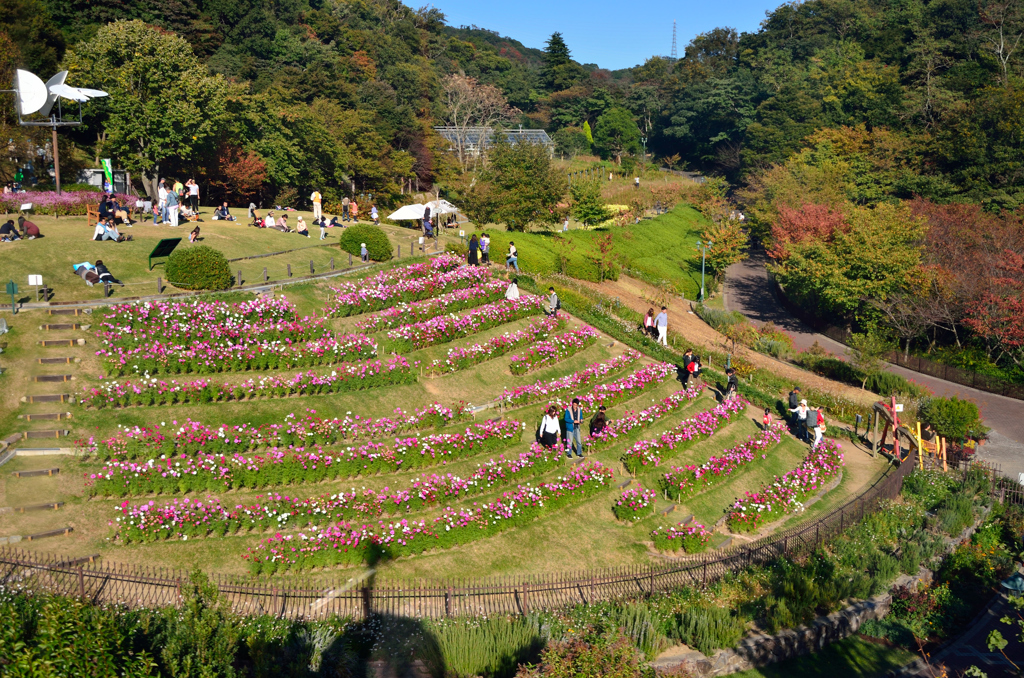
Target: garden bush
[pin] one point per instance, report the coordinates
(588, 654)
(377, 244)
(199, 268)
(707, 628)
(719, 319)
(887, 384)
(66, 203)
(494, 646)
(952, 418)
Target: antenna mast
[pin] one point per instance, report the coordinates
(675, 54)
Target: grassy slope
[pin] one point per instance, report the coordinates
(850, 658)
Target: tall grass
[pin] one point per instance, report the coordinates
(493, 647)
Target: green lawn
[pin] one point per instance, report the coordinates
(850, 658)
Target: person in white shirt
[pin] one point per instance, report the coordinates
(512, 260)
(317, 200)
(193, 194)
(512, 293)
(801, 412)
(269, 222)
(161, 203)
(550, 428)
(661, 322)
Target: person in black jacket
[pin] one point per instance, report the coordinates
(733, 385)
(105, 275)
(794, 401)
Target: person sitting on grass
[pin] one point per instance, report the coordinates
(269, 221)
(8, 233)
(188, 213)
(193, 236)
(335, 223)
(222, 213)
(512, 293)
(105, 275)
(301, 228)
(28, 229)
(282, 224)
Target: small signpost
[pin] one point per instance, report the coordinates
(37, 281)
(12, 289)
(163, 249)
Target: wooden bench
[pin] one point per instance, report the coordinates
(92, 213)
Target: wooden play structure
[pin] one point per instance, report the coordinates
(904, 440)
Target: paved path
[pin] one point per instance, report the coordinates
(748, 291)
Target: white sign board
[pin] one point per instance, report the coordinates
(35, 280)
(27, 207)
(462, 234)
(899, 407)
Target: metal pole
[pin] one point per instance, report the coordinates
(56, 160)
(703, 254)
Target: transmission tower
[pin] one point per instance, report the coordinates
(675, 54)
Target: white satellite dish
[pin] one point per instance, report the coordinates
(51, 98)
(92, 93)
(68, 92)
(31, 92)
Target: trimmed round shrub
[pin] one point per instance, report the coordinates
(952, 418)
(377, 243)
(199, 268)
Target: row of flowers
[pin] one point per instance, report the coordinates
(682, 482)
(388, 289)
(189, 518)
(192, 437)
(553, 350)
(443, 329)
(266, 354)
(703, 425)
(212, 472)
(348, 544)
(462, 358)
(631, 421)
(63, 204)
(785, 495)
(635, 503)
(401, 314)
(690, 537)
(346, 377)
(543, 390)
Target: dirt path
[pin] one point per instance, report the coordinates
(640, 296)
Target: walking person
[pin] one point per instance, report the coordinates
(323, 228)
(732, 385)
(554, 303)
(661, 322)
(794, 402)
(819, 426)
(800, 419)
(512, 258)
(317, 201)
(550, 428)
(344, 208)
(485, 249)
(687, 360)
(574, 428)
(172, 208)
(474, 246)
(374, 215)
(766, 420)
(649, 327)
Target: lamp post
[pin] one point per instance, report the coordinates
(703, 247)
(643, 140)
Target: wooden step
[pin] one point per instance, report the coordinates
(625, 483)
(37, 507)
(49, 327)
(48, 416)
(66, 360)
(667, 510)
(50, 378)
(36, 472)
(64, 531)
(26, 435)
(70, 311)
(79, 561)
(52, 398)
(49, 343)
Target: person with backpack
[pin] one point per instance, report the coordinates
(574, 428)
(732, 385)
(512, 258)
(554, 302)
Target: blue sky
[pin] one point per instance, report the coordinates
(612, 34)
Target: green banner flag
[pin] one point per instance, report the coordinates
(108, 171)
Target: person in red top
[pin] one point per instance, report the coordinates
(819, 427)
(766, 421)
(30, 230)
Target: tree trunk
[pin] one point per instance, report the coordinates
(151, 182)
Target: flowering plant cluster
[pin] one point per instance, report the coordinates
(634, 421)
(182, 519)
(690, 537)
(183, 321)
(191, 437)
(212, 472)
(553, 350)
(346, 543)
(683, 482)
(443, 329)
(67, 203)
(684, 434)
(346, 377)
(635, 503)
(542, 390)
(464, 358)
(403, 313)
(785, 495)
(398, 285)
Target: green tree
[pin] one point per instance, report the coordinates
(39, 40)
(571, 141)
(617, 134)
(518, 187)
(730, 244)
(869, 352)
(200, 639)
(163, 104)
(585, 203)
(559, 71)
(588, 132)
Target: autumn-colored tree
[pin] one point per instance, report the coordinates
(729, 244)
(998, 316)
(808, 222)
(240, 174)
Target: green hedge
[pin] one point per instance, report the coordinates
(377, 243)
(199, 267)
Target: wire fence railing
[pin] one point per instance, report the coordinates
(319, 596)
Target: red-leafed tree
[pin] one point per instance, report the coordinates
(998, 316)
(240, 175)
(808, 222)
